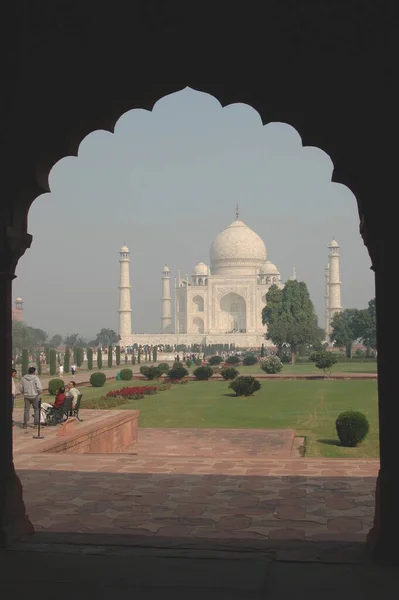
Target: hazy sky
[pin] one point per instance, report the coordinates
(166, 182)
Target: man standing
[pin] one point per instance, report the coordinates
(13, 390)
(31, 388)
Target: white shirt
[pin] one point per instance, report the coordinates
(13, 391)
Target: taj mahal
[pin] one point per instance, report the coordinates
(220, 303)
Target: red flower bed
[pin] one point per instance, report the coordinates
(133, 393)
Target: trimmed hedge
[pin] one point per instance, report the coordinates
(54, 385)
(352, 427)
(203, 373)
(229, 373)
(177, 372)
(215, 360)
(233, 360)
(97, 379)
(245, 385)
(164, 368)
(249, 359)
(126, 374)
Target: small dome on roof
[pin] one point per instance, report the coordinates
(333, 244)
(270, 269)
(18, 300)
(166, 269)
(200, 269)
(124, 249)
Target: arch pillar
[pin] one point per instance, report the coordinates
(14, 522)
(383, 538)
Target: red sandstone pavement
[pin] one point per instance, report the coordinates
(200, 484)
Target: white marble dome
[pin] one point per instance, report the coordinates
(237, 248)
(18, 300)
(124, 249)
(201, 269)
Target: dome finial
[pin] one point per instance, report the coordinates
(237, 213)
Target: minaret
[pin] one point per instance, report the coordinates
(326, 300)
(334, 284)
(166, 318)
(293, 276)
(125, 311)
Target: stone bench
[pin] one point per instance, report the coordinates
(67, 427)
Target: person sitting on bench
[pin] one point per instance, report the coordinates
(74, 392)
(46, 406)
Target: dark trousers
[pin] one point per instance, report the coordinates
(31, 402)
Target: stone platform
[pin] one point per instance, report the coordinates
(200, 484)
(101, 431)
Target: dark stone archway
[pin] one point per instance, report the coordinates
(327, 69)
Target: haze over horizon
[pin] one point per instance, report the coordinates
(165, 183)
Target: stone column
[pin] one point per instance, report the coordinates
(384, 536)
(14, 522)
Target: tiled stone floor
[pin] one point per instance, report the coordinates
(201, 484)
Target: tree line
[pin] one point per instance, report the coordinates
(291, 321)
(32, 339)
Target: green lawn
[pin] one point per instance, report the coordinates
(309, 407)
(309, 368)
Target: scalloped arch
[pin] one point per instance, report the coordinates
(62, 143)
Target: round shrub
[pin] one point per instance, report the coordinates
(233, 360)
(189, 363)
(198, 362)
(54, 385)
(163, 368)
(126, 374)
(177, 372)
(245, 385)
(97, 379)
(203, 373)
(249, 359)
(215, 360)
(229, 373)
(144, 370)
(150, 372)
(352, 427)
(271, 364)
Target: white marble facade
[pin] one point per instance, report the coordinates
(227, 297)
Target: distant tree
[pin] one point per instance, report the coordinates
(347, 327)
(262, 350)
(154, 354)
(324, 359)
(53, 362)
(79, 356)
(25, 337)
(99, 358)
(290, 316)
(75, 353)
(38, 364)
(55, 341)
(110, 355)
(71, 339)
(25, 361)
(118, 355)
(67, 360)
(138, 356)
(106, 337)
(369, 327)
(89, 358)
